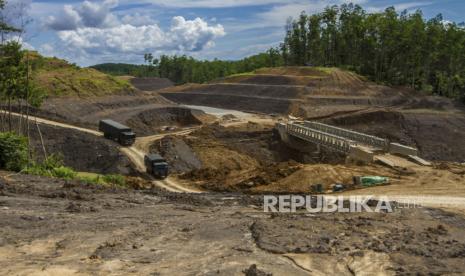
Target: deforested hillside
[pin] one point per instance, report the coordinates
(60, 78)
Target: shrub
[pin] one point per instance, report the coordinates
(51, 167)
(115, 179)
(13, 151)
(64, 172)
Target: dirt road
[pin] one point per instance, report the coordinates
(133, 153)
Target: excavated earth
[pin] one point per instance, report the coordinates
(81, 151)
(250, 158)
(84, 152)
(151, 84)
(435, 125)
(145, 112)
(56, 227)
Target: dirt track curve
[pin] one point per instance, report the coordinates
(133, 153)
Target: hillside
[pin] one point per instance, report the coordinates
(60, 78)
(341, 98)
(124, 69)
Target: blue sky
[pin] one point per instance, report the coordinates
(89, 32)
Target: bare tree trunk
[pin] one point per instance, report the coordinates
(20, 120)
(41, 139)
(27, 107)
(9, 114)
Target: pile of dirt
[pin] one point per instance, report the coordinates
(180, 156)
(438, 136)
(151, 84)
(259, 79)
(80, 151)
(237, 158)
(326, 175)
(153, 120)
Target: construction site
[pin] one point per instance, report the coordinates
(229, 142)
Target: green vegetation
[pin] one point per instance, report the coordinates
(13, 151)
(14, 157)
(59, 78)
(53, 167)
(387, 47)
(392, 48)
(183, 69)
(123, 69)
(105, 180)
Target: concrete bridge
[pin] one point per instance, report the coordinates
(318, 137)
(360, 138)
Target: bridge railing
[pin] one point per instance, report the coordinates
(328, 140)
(350, 134)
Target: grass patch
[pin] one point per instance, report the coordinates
(53, 167)
(105, 180)
(60, 78)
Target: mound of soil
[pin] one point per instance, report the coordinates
(236, 158)
(293, 70)
(151, 121)
(151, 84)
(80, 151)
(180, 156)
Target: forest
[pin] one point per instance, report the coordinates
(184, 69)
(387, 47)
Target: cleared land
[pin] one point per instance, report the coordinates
(98, 230)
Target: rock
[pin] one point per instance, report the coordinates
(254, 271)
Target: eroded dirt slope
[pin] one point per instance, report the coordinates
(80, 151)
(438, 136)
(151, 84)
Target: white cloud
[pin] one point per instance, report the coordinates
(277, 15)
(137, 19)
(69, 20)
(183, 35)
(88, 14)
(399, 6)
(207, 3)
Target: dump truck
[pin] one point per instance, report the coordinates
(117, 132)
(156, 166)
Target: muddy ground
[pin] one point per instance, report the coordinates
(60, 227)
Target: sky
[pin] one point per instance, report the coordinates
(91, 32)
